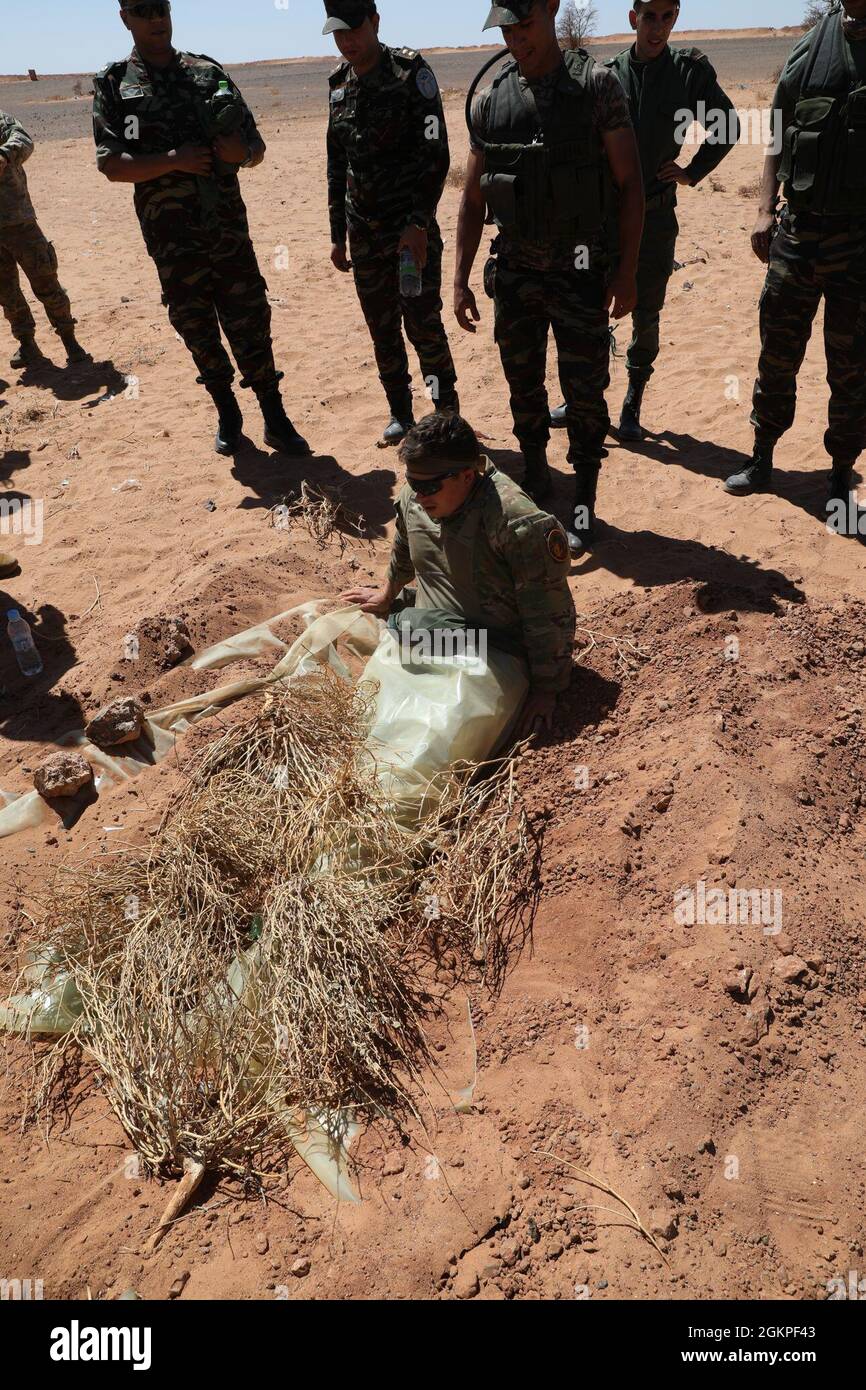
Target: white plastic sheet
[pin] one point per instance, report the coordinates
(428, 716)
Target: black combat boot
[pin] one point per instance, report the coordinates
(231, 422)
(74, 351)
(757, 476)
(581, 528)
(559, 417)
(448, 404)
(401, 422)
(630, 427)
(280, 433)
(537, 477)
(844, 514)
(27, 354)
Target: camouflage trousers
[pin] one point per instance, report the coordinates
(811, 258)
(26, 246)
(211, 280)
(376, 266)
(655, 268)
(528, 304)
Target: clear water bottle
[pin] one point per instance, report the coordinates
(22, 642)
(410, 274)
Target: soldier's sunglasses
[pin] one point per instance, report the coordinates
(426, 487)
(157, 10)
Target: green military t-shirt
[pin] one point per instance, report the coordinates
(501, 565)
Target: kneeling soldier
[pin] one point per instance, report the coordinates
(483, 555)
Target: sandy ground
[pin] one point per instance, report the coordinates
(713, 1078)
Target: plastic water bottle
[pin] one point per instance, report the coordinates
(22, 641)
(410, 274)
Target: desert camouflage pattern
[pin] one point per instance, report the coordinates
(195, 229)
(499, 563)
(813, 257)
(24, 246)
(387, 163)
(16, 147)
(527, 305)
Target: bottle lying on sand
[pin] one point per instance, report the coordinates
(23, 645)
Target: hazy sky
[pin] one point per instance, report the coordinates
(82, 35)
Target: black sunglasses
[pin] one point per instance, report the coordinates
(157, 10)
(425, 487)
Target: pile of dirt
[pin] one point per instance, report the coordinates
(676, 1030)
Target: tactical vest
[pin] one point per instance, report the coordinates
(823, 164)
(551, 181)
(656, 109)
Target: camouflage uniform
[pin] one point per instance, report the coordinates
(501, 566)
(537, 286)
(22, 243)
(658, 93)
(387, 163)
(817, 252)
(195, 229)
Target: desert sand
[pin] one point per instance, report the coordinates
(722, 1099)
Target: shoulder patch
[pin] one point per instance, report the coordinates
(339, 74)
(426, 83)
(119, 65)
(557, 543)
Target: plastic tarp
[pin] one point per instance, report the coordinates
(427, 715)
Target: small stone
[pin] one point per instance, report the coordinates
(664, 1223)
(789, 968)
(119, 722)
(465, 1284)
(300, 1269)
(262, 1245)
(393, 1164)
(63, 774)
(179, 1284)
(783, 944)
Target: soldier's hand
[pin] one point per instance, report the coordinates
(339, 257)
(674, 173)
(231, 149)
(763, 235)
(370, 600)
(621, 295)
(416, 239)
(464, 305)
(193, 159)
(537, 714)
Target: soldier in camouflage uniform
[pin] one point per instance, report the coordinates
(551, 137)
(817, 250)
(23, 244)
(483, 556)
(667, 89)
(175, 125)
(387, 163)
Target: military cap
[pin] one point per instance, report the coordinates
(347, 14)
(509, 14)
